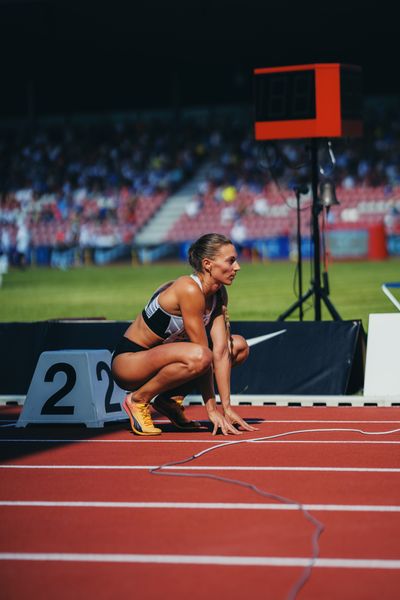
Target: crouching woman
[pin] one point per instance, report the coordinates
(181, 341)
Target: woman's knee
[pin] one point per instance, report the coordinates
(241, 349)
(199, 359)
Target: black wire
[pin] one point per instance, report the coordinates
(268, 166)
(327, 171)
(296, 280)
(267, 163)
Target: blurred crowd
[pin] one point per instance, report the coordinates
(370, 161)
(64, 186)
(87, 186)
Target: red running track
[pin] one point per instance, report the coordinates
(82, 517)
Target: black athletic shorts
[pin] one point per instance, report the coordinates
(126, 345)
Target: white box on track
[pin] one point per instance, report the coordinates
(73, 386)
(382, 368)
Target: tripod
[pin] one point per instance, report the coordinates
(316, 289)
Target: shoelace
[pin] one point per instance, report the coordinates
(145, 414)
(180, 404)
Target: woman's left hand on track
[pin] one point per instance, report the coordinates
(234, 419)
(220, 422)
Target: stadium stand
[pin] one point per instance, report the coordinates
(361, 207)
(83, 193)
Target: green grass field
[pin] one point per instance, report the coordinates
(261, 292)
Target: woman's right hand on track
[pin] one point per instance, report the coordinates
(219, 422)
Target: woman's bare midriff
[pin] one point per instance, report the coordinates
(141, 334)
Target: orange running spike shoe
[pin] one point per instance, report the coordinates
(140, 418)
(173, 409)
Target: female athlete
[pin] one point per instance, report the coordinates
(182, 341)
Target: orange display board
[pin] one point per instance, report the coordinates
(308, 101)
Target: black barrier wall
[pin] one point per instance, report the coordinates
(305, 358)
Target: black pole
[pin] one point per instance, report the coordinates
(299, 255)
(320, 293)
(315, 229)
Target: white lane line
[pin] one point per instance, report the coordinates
(314, 421)
(231, 561)
(254, 421)
(203, 505)
(97, 441)
(179, 441)
(10, 423)
(205, 468)
(321, 442)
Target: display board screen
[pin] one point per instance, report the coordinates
(285, 96)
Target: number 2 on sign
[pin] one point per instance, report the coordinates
(109, 407)
(51, 407)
